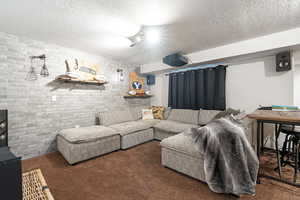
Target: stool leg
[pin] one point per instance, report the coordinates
(277, 149)
(285, 149)
(289, 148)
(296, 162)
(262, 138)
(299, 157)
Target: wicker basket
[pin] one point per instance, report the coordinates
(35, 186)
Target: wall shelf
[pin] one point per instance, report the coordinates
(70, 80)
(137, 96)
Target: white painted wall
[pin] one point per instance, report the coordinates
(160, 90)
(255, 83)
(296, 78)
(249, 84)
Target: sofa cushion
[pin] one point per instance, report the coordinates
(87, 134)
(181, 143)
(136, 112)
(184, 116)
(167, 112)
(173, 126)
(206, 116)
(150, 122)
(115, 117)
(130, 127)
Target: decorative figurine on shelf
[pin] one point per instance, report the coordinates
(148, 93)
(82, 70)
(132, 92)
(136, 84)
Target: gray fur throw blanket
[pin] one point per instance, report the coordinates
(230, 163)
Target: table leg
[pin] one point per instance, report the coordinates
(277, 133)
(296, 164)
(262, 138)
(258, 148)
(258, 139)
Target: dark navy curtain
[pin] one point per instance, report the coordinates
(201, 88)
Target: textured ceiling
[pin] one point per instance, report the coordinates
(99, 26)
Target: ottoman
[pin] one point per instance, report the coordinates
(78, 144)
(179, 153)
(133, 133)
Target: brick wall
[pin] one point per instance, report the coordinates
(34, 119)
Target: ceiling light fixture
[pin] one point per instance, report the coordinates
(137, 38)
(151, 35)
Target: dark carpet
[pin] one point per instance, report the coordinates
(135, 174)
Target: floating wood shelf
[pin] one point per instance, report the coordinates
(69, 80)
(137, 96)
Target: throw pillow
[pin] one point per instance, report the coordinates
(158, 112)
(136, 112)
(147, 114)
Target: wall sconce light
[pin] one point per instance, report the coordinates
(32, 75)
(120, 74)
(44, 71)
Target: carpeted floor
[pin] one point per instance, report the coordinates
(135, 174)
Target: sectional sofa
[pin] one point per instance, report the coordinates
(180, 154)
(125, 129)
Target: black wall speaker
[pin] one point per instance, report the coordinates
(175, 60)
(283, 61)
(3, 128)
(150, 79)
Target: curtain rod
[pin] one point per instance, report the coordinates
(195, 68)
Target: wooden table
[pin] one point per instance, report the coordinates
(277, 118)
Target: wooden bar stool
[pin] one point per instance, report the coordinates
(289, 154)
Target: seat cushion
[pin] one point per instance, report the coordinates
(150, 122)
(181, 143)
(206, 116)
(184, 116)
(130, 127)
(173, 126)
(87, 134)
(115, 117)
